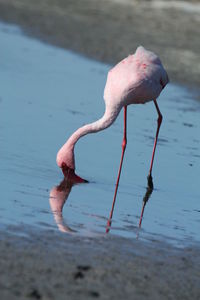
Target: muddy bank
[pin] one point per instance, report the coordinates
(48, 265)
(109, 30)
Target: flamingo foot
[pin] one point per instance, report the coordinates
(108, 226)
(150, 181)
(71, 176)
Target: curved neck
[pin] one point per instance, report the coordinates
(66, 153)
(101, 124)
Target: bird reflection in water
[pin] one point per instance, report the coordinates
(60, 193)
(58, 197)
(146, 197)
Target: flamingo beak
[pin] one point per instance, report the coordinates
(71, 176)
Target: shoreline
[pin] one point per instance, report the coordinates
(49, 264)
(108, 31)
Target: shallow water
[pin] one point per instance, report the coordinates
(46, 93)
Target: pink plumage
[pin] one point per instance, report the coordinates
(139, 78)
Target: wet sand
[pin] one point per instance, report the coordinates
(45, 264)
(55, 266)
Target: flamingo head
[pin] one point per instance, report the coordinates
(65, 160)
(65, 156)
(70, 175)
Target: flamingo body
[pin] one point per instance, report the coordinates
(139, 78)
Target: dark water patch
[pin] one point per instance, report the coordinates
(188, 124)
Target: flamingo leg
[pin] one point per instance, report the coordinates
(124, 142)
(147, 195)
(159, 121)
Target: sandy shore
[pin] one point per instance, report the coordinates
(49, 265)
(46, 264)
(109, 30)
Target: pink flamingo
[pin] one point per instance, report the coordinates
(139, 78)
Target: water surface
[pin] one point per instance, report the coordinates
(46, 93)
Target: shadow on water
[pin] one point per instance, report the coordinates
(46, 93)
